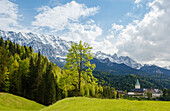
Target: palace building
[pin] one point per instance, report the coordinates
(137, 91)
(141, 92)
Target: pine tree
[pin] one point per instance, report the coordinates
(38, 78)
(14, 83)
(50, 93)
(11, 48)
(3, 67)
(1, 42)
(31, 80)
(17, 49)
(24, 73)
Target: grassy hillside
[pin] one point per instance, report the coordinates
(9, 102)
(92, 104)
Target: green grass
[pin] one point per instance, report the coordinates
(93, 104)
(9, 102)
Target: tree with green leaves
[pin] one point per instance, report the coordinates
(3, 67)
(165, 92)
(78, 63)
(118, 95)
(149, 94)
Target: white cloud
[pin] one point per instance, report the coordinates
(89, 33)
(114, 31)
(59, 17)
(148, 40)
(71, 19)
(8, 15)
(137, 1)
(132, 15)
(117, 27)
(84, 32)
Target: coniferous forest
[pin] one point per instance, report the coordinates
(33, 76)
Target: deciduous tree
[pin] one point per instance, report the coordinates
(78, 63)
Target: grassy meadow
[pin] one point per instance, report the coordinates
(93, 104)
(10, 102)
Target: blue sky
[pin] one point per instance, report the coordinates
(110, 11)
(135, 28)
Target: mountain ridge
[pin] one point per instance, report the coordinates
(118, 59)
(56, 49)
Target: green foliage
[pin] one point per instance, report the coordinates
(165, 92)
(50, 94)
(109, 92)
(28, 74)
(166, 95)
(14, 77)
(127, 82)
(78, 67)
(3, 67)
(149, 94)
(33, 76)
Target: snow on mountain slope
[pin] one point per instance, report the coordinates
(167, 67)
(56, 48)
(50, 46)
(119, 60)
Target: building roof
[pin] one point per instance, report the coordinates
(137, 90)
(137, 82)
(155, 91)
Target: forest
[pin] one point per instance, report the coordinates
(33, 76)
(127, 82)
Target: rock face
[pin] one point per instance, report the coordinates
(116, 59)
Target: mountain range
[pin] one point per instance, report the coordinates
(56, 49)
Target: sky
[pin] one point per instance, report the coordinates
(135, 28)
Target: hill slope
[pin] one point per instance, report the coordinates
(10, 102)
(155, 69)
(113, 68)
(127, 82)
(92, 104)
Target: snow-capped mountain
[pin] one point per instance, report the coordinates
(50, 46)
(116, 59)
(167, 67)
(56, 48)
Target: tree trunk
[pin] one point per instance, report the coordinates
(80, 70)
(79, 82)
